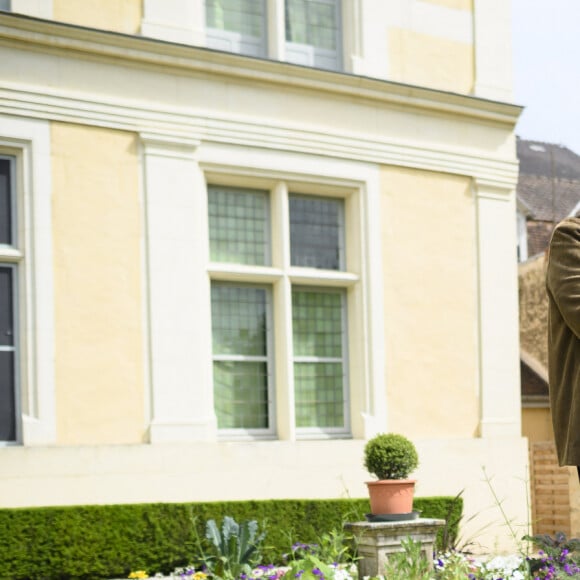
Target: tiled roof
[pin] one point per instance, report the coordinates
(540, 158)
(534, 378)
(549, 179)
(539, 234)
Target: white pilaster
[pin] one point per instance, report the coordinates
(180, 21)
(375, 416)
(37, 8)
(178, 292)
(498, 313)
(493, 71)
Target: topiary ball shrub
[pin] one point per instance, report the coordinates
(390, 456)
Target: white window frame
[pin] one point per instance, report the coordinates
(282, 277)
(317, 432)
(11, 257)
(341, 238)
(270, 431)
(279, 49)
(184, 22)
(181, 387)
(28, 142)
(231, 41)
(309, 55)
(37, 8)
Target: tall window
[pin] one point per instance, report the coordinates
(242, 377)
(246, 325)
(313, 33)
(8, 253)
(318, 332)
(237, 26)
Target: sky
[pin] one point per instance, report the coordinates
(546, 70)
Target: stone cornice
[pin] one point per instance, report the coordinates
(186, 129)
(50, 36)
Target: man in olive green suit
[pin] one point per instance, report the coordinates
(563, 285)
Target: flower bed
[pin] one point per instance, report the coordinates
(234, 554)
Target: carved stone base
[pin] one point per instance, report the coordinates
(376, 541)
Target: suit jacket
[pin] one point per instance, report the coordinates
(563, 285)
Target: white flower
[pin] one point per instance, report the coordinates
(342, 574)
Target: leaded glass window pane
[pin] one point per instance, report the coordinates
(244, 16)
(316, 232)
(241, 394)
(319, 395)
(317, 323)
(236, 26)
(5, 202)
(238, 226)
(238, 320)
(313, 22)
(240, 332)
(319, 376)
(7, 354)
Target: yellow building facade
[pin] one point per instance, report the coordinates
(237, 253)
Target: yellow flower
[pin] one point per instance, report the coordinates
(199, 576)
(139, 574)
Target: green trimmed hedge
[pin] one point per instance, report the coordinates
(90, 542)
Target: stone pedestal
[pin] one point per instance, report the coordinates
(376, 541)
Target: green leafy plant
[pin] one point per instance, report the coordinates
(410, 564)
(306, 564)
(558, 553)
(337, 546)
(390, 456)
(453, 566)
(109, 541)
(235, 547)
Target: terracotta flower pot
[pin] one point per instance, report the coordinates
(391, 496)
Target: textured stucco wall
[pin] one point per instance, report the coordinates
(455, 4)
(431, 61)
(429, 265)
(117, 15)
(537, 424)
(97, 276)
(267, 470)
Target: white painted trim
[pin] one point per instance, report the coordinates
(499, 369)
(37, 8)
(29, 140)
(360, 184)
(371, 218)
(177, 250)
(322, 278)
(493, 71)
(9, 253)
(186, 128)
(69, 41)
(180, 21)
(242, 273)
